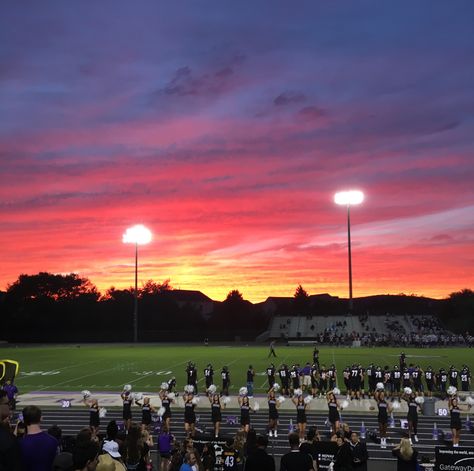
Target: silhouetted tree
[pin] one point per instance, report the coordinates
(458, 314)
(301, 301)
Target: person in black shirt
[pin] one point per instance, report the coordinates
(412, 416)
(191, 372)
(442, 381)
(296, 460)
(209, 375)
(333, 411)
(216, 413)
(343, 458)
(316, 357)
(231, 459)
(127, 401)
(416, 375)
(244, 413)
(295, 378)
(371, 378)
(272, 349)
(429, 379)
(453, 376)
(166, 401)
(189, 414)
(301, 420)
(225, 375)
(396, 381)
(250, 376)
(465, 379)
(147, 410)
(403, 363)
(285, 380)
(273, 406)
(260, 460)
(271, 376)
(359, 453)
(382, 418)
(171, 384)
(94, 417)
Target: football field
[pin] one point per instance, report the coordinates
(108, 367)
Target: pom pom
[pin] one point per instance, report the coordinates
(380, 386)
(161, 411)
(276, 387)
(298, 392)
(127, 387)
(308, 399)
(102, 412)
(164, 386)
(256, 406)
(407, 390)
(171, 395)
(420, 400)
(138, 396)
(195, 400)
(452, 391)
(86, 394)
(395, 405)
(336, 391)
(189, 388)
(281, 399)
(345, 403)
(212, 389)
(243, 391)
(226, 400)
(470, 400)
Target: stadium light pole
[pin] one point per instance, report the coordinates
(138, 235)
(349, 198)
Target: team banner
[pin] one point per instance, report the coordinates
(454, 459)
(325, 454)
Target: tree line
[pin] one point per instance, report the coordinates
(50, 307)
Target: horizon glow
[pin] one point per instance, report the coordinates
(229, 140)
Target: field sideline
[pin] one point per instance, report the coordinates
(108, 367)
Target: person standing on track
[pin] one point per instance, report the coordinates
(191, 372)
(284, 379)
(272, 349)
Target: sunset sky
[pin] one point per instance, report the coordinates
(226, 128)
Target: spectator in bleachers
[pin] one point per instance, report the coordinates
(38, 448)
(9, 447)
(85, 455)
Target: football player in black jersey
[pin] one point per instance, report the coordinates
(396, 381)
(316, 356)
(209, 375)
(371, 378)
(225, 376)
(465, 378)
(285, 380)
(442, 381)
(191, 372)
(231, 460)
(453, 376)
(250, 377)
(271, 376)
(430, 381)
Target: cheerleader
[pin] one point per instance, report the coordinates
(127, 401)
(94, 418)
(412, 416)
(244, 413)
(166, 402)
(333, 409)
(298, 401)
(455, 411)
(189, 414)
(273, 405)
(216, 412)
(382, 418)
(147, 410)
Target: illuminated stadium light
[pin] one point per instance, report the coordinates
(349, 198)
(138, 235)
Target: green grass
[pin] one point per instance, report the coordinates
(109, 367)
